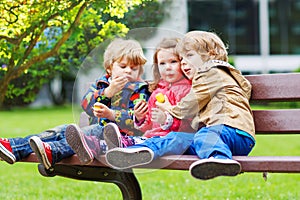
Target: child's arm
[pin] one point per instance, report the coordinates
(145, 123)
(186, 108)
(102, 91)
(205, 86)
(102, 111)
(94, 94)
(124, 117)
(140, 112)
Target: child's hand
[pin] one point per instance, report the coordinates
(163, 105)
(115, 86)
(158, 116)
(100, 110)
(140, 110)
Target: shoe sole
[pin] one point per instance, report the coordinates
(79, 145)
(38, 148)
(6, 155)
(111, 136)
(120, 158)
(212, 169)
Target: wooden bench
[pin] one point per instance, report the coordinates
(266, 88)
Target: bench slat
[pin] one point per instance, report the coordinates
(277, 121)
(282, 164)
(275, 87)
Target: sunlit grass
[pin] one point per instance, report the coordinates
(23, 181)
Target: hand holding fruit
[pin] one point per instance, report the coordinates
(102, 111)
(162, 102)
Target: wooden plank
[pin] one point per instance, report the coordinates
(277, 121)
(275, 87)
(282, 164)
(279, 164)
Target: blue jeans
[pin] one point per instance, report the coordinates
(94, 130)
(222, 141)
(218, 141)
(55, 138)
(175, 143)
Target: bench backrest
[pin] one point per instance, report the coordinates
(266, 88)
(279, 88)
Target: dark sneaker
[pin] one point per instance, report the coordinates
(123, 158)
(78, 142)
(42, 151)
(6, 151)
(114, 138)
(205, 169)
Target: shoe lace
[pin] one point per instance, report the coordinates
(47, 146)
(48, 151)
(126, 141)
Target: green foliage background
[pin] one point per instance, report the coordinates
(101, 20)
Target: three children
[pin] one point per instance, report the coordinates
(219, 101)
(168, 80)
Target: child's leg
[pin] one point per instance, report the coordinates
(21, 148)
(243, 144)
(222, 141)
(93, 130)
(209, 142)
(218, 143)
(173, 143)
(60, 150)
(49, 153)
(86, 142)
(113, 138)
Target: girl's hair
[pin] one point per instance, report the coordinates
(121, 48)
(206, 44)
(166, 43)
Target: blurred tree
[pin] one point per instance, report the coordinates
(33, 32)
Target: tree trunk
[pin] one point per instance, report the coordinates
(14, 73)
(3, 89)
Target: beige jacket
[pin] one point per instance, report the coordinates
(219, 95)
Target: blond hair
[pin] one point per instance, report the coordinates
(166, 43)
(119, 49)
(207, 44)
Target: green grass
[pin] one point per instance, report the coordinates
(23, 181)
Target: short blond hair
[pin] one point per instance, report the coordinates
(207, 44)
(124, 48)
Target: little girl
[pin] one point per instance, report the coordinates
(168, 80)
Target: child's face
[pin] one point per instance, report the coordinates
(191, 60)
(123, 68)
(169, 66)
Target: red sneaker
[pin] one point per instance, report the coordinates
(6, 151)
(42, 151)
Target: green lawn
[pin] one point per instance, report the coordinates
(23, 181)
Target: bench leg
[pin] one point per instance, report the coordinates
(126, 181)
